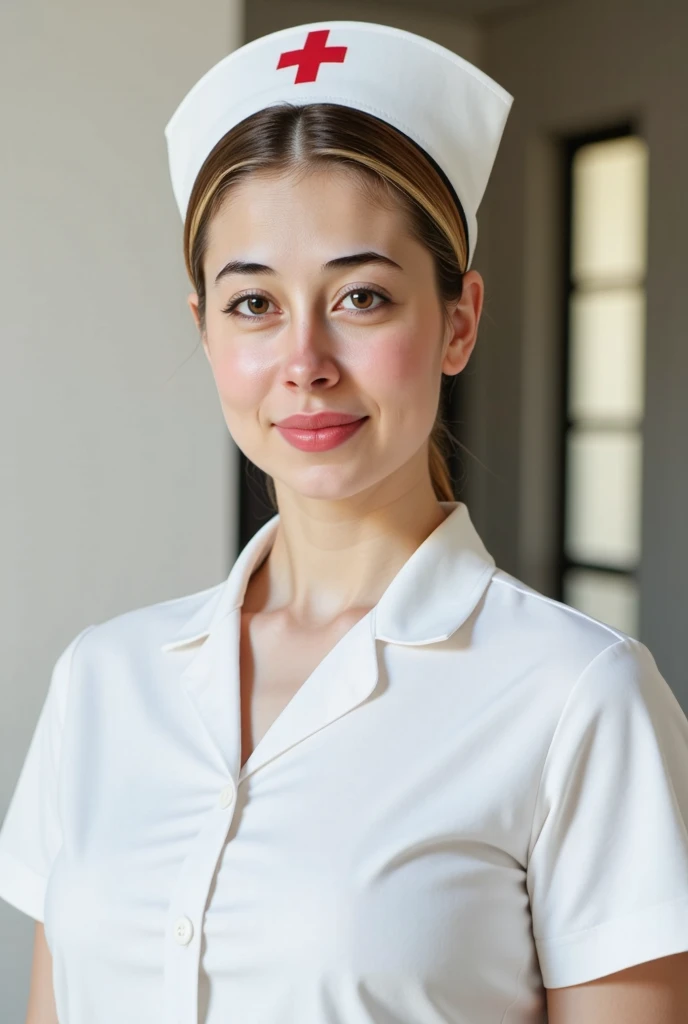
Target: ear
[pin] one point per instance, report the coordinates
(462, 334)
(193, 306)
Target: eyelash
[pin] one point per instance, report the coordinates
(231, 307)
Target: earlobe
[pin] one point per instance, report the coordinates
(459, 341)
(192, 300)
(193, 306)
(458, 353)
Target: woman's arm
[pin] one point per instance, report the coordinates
(655, 992)
(41, 1008)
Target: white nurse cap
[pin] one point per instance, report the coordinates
(449, 108)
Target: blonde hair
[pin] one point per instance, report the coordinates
(387, 164)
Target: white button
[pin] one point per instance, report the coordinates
(183, 930)
(227, 796)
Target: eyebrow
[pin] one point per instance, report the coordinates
(355, 260)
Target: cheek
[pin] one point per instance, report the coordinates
(402, 376)
(402, 362)
(241, 377)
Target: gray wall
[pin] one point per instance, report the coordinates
(117, 466)
(461, 35)
(116, 462)
(573, 67)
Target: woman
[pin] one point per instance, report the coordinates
(369, 777)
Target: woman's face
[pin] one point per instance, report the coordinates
(320, 300)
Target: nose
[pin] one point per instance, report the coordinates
(309, 353)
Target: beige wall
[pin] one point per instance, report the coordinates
(571, 67)
(116, 462)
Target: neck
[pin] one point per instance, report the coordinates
(326, 564)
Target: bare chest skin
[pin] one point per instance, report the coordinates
(276, 658)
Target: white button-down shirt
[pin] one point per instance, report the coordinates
(477, 792)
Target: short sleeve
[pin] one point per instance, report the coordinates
(607, 873)
(31, 834)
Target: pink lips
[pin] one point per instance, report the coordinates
(320, 431)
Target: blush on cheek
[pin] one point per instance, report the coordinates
(242, 382)
(400, 360)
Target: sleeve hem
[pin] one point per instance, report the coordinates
(21, 887)
(634, 939)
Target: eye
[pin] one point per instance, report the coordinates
(257, 305)
(363, 299)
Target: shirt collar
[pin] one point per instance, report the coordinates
(430, 597)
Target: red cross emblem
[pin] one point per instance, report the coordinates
(314, 53)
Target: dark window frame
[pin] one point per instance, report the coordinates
(570, 145)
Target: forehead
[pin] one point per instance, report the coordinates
(330, 201)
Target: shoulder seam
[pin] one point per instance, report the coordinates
(155, 605)
(62, 712)
(605, 650)
(560, 604)
(72, 646)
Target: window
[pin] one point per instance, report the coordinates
(604, 376)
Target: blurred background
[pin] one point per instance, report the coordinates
(120, 484)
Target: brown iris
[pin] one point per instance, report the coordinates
(258, 300)
(356, 295)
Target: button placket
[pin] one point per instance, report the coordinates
(185, 914)
(183, 931)
(227, 797)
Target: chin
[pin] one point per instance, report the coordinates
(323, 490)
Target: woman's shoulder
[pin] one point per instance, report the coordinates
(574, 668)
(546, 629)
(151, 626)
